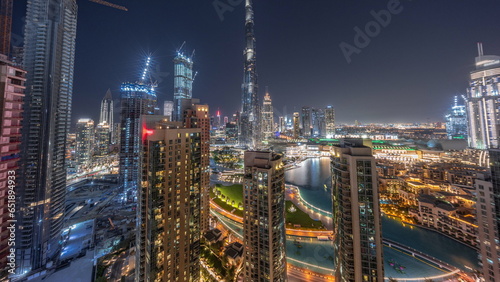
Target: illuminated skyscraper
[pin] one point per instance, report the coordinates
(296, 125)
(483, 102)
(264, 238)
(196, 116)
(330, 121)
(249, 131)
(456, 122)
(137, 99)
(488, 214)
(356, 213)
(267, 117)
(107, 109)
(168, 234)
(183, 82)
(49, 53)
(12, 81)
(102, 139)
(84, 141)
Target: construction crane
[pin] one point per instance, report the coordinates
(106, 3)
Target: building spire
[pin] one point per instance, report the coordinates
(108, 95)
(480, 49)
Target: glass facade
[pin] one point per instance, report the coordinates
(136, 100)
(49, 52)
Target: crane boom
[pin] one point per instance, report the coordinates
(106, 3)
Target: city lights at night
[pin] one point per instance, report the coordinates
(249, 140)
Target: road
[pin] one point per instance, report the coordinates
(293, 232)
(296, 274)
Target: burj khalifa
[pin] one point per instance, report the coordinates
(250, 114)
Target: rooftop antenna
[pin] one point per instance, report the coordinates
(480, 49)
(456, 101)
(192, 54)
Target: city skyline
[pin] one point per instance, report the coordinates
(153, 185)
(442, 68)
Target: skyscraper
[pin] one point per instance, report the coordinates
(183, 82)
(84, 141)
(168, 109)
(487, 232)
(249, 117)
(102, 139)
(49, 53)
(456, 121)
(356, 213)
(318, 123)
(330, 121)
(495, 179)
(267, 117)
(5, 26)
(12, 81)
(107, 109)
(482, 102)
(264, 218)
(137, 99)
(168, 233)
(307, 124)
(296, 125)
(196, 116)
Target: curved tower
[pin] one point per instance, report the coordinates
(250, 116)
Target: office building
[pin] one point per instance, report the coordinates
(49, 53)
(267, 117)
(168, 233)
(329, 122)
(102, 139)
(264, 218)
(196, 116)
(281, 125)
(107, 109)
(249, 129)
(306, 119)
(489, 244)
(296, 125)
(482, 102)
(183, 82)
(168, 109)
(456, 121)
(84, 141)
(12, 81)
(318, 123)
(356, 213)
(137, 99)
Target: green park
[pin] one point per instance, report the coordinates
(230, 198)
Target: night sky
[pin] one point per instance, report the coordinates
(409, 72)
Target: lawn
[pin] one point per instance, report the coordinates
(300, 217)
(233, 192)
(225, 205)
